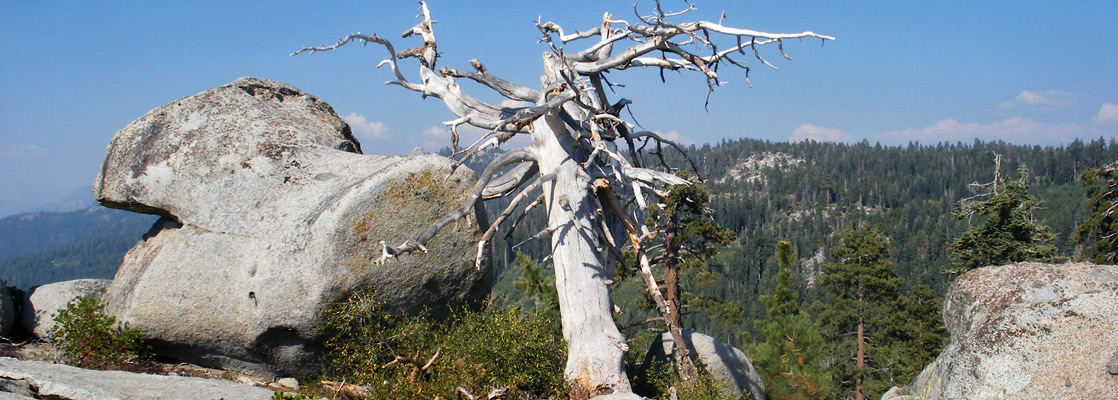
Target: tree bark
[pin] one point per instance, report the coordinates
(861, 360)
(674, 319)
(595, 347)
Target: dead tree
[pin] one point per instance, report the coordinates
(582, 155)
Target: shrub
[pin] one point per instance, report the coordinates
(88, 338)
(477, 350)
(658, 380)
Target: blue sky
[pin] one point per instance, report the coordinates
(1036, 72)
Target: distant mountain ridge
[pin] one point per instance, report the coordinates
(80, 199)
(68, 239)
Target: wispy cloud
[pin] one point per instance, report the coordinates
(19, 150)
(1108, 114)
(365, 129)
(1013, 129)
(1039, 99)
(819, 134)
(435, 132)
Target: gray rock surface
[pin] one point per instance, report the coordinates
(897, 393)
(7, 310)
(37, 379)
(726, 363)
(42, 302)
(270, 215)
(1027, 331)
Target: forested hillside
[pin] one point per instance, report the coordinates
(806, 193)
(45, 247)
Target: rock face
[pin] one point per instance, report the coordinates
(726, 363)
(41, 380)
(1027, 331)
(42, 302)
(270, 215)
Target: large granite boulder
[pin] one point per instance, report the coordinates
(724, 362)
(270, 215)
(1028, 331)
(41, 303)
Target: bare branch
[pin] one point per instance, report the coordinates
(645, 322)
(610, 200)
(488, 235)
(539, 200)
(546, 231)
(550, 27)
(512, 157)
(510, 181)
(505, 88)
(365, 39)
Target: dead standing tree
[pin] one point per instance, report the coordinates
(581, 153)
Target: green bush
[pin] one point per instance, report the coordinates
(88, 338)
(278, 395)
(658, 381)
(477, 350)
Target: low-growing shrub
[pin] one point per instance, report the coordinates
(396, 356)
(87, 338)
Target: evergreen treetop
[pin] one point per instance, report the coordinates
(1102, 225)
(1009, 234)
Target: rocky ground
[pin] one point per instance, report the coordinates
(27, 370)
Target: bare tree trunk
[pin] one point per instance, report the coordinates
(595, 347)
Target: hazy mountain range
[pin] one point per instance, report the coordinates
(71, 238)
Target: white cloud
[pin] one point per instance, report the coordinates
(1013, 129)
(435, 132)
(819, 134)
(1108, 114)
(365, 129)
(1042, 98)
(676, 137)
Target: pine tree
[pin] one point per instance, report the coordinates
(1009, 234)
(536, 286)
(788, 359)
(1102, 186)
(914, 334)
(690, 238)
(862, 290)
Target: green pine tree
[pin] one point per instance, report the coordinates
(915, 333)
(788, 359)
(862, 290)
(536, 286)
(1009, 234)
(691, 237)
(1102, 226)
